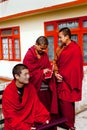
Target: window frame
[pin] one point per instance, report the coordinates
(11, 36)
(80, 30)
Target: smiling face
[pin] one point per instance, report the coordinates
(63, 38)
(41, 48)
(22, 78)
(41, 44)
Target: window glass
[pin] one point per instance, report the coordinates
(74, 37)
(5, 48)
(49, 28)
(16, 31)
(85, 23)
(16, 43)
(10, 49)
(6, 32)
(51, 47)
(85, 47)
(68, 24)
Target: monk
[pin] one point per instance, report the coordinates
(36, 59)
(68, 68)
(20, 104)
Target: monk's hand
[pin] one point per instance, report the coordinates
(47, 121)
(33, 128)
(58, 77)
(45, 71)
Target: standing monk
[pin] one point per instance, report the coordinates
(68, 68)
(38, 63)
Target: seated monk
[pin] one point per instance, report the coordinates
(20, 104)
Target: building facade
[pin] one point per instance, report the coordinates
(21, 22)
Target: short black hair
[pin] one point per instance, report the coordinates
(42, 40)
(66, 31)
(18, 68)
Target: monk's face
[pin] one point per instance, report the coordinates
(41, 48)
(23, 78)
(63, 39)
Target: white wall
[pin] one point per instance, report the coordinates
(33, 26)
(30, 29)
(10, 7)
(6, 68)
(82, 105)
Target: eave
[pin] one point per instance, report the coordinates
(45, 9)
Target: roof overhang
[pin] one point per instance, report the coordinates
(45, 9)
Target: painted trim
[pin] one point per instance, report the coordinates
(43, 10)
(5, 79)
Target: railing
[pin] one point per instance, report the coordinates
(3, 85)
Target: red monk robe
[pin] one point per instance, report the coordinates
(36, 67)
(22, 115)
(70, 66)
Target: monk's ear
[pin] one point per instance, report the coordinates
(37, 44)
(16, 76)
(67, 36)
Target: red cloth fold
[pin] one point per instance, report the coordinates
(22, 115)
(36, 67)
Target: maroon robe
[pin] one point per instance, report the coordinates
(22, 115)
(36, 67)
(70, 66)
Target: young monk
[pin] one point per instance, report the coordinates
(68, 68)
(20, 104)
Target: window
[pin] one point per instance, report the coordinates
(85, 47)
(10, 44)
(74, 37)
(78, 27)
(51, 47)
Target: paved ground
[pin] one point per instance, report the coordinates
(81, 121)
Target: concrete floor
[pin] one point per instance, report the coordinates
(81, 121)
